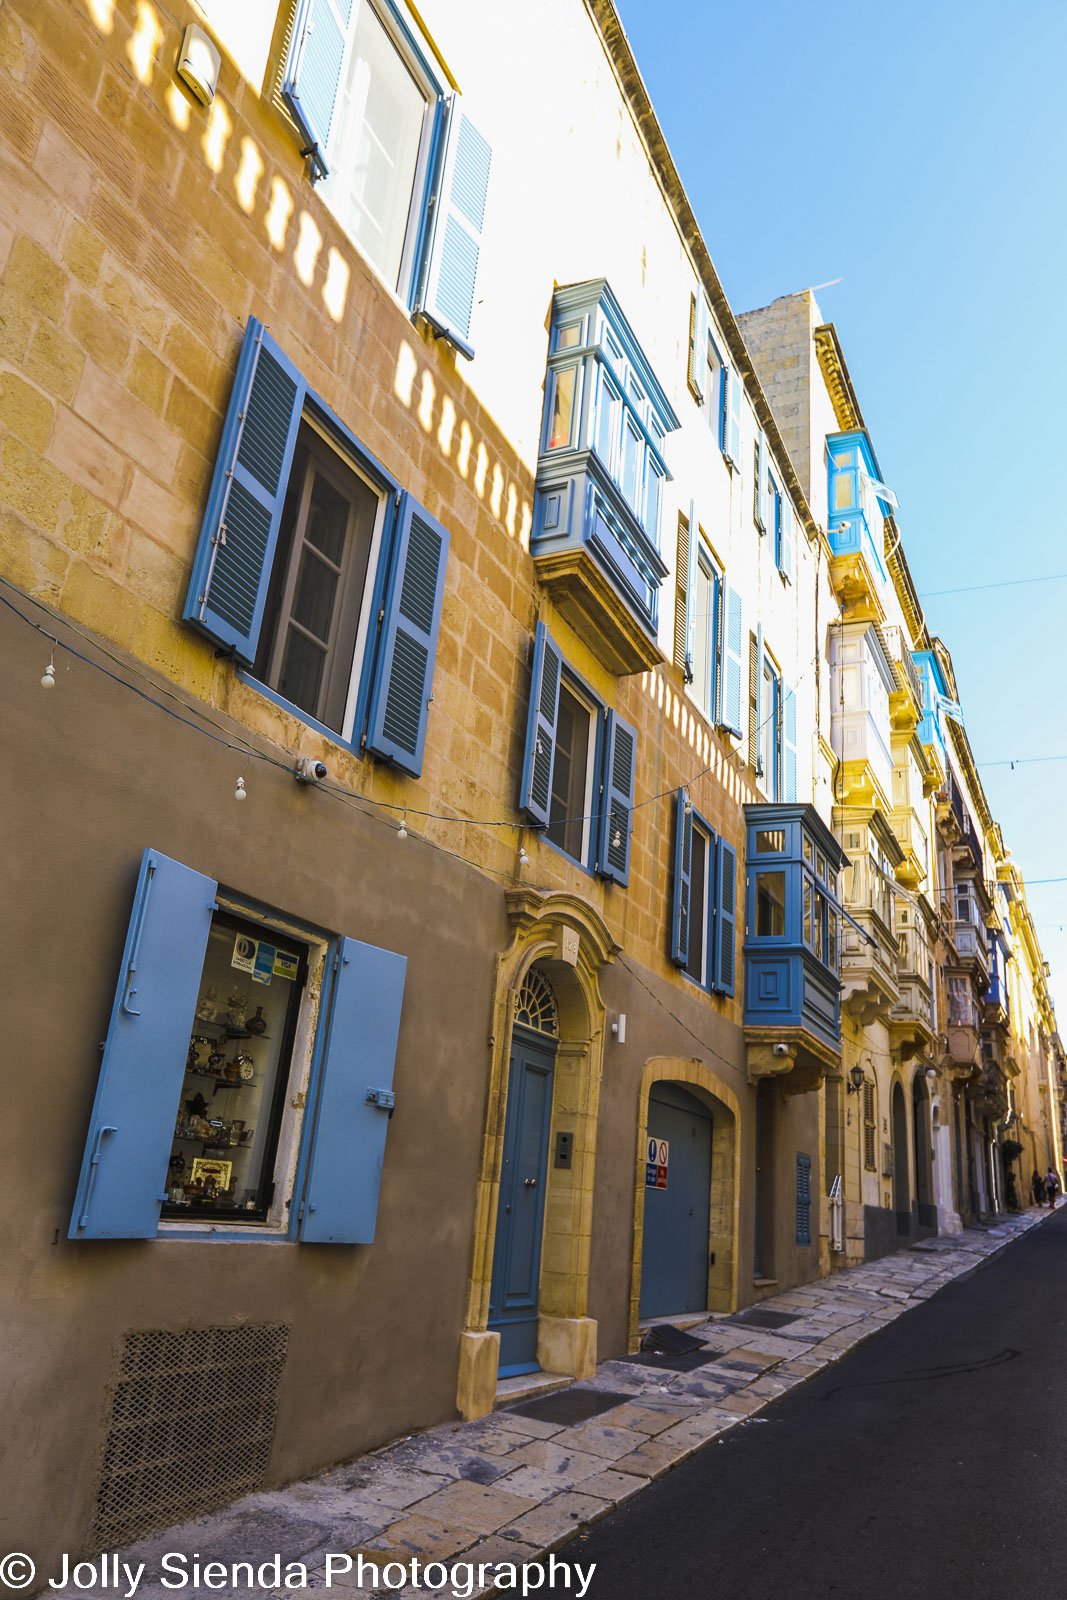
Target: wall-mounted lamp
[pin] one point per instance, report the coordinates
(856, 1079)
(198, 64)
(618, 1028)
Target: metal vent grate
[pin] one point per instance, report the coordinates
(191, 1426)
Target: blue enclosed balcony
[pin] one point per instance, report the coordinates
(792, 995)
(600, 477)
(858, 505)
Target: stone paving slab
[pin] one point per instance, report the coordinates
(512, 1488)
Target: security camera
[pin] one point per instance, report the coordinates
(310, 771)
(781, 1050)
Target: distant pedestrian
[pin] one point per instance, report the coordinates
(1037, 1188)
(1052, 1184)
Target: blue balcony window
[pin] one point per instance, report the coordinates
(858, 501)
(792, 921)
(600, 476)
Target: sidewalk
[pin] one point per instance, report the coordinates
(511, 1487)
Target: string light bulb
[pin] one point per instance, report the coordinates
(524, 860)
(48, 677)
(616, 840)
(239, 792)
(687, 804)
(402, 831)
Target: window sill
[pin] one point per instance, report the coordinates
(227, 1233)
(295, 711)
(557, 849)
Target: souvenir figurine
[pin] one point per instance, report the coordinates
(196, 1106)
(215, 1060)
(259, 1023)
(238, 1005)
(209, 1005)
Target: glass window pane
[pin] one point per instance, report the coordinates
(770, 841)
(820, 924)
(651, 519)
(703, 603)
(327, 519)
(237, 1067)
(698, 907)
(316, 589)
(809, 851)
(831, 941)
(568, 336)
(375, 152)
(607, 421)
(570, 775)
(770, 905)
(808, 893)
(563, 390)
(302, 669)
(844, 497)
(631, 465)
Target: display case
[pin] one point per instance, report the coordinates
(237, 1069)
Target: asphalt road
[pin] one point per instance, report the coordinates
(930, 1462)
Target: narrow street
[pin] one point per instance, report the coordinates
(930, 1460)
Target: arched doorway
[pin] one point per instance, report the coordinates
(923, 1151)
(677, 1219)
(901, 1187)
(516, 1280)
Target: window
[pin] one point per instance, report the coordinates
(706, 600)
(572, 774)
(579, 768)
(773, 505)
(316, 599)
(401, 167)
(706, 369)
(791, 920)
(703, 917)
(314, 569)
(757, 484)
(769, 730)
(257, 1115)
(870, 1127)
(600, 475)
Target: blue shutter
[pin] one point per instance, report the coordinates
(683, 885)
(803, 1199)
(617, 798)
(731, 693)
(535, 795)
(785, 562)
(313, 74)
(725, 917)
(456, 236)
(231, 568)
(756, 756)
(355, 1095)
(403, 671)
(731, 416)
(131, 1130)
(789, 744)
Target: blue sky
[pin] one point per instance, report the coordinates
(918, 152)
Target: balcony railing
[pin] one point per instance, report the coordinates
(901, 656)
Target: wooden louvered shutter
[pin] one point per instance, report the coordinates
(753, 700)
(725, 917)
(403, 673)
(683, 887)
(681, 602)
(803, 1199)
(239, 534)
(869, 1127)
(313, 74)
(535, 793)
(455, 243)
(732, 647)
(617, 799)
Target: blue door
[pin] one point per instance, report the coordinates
(674, 1254)
(521, 1212)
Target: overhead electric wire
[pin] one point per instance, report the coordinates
(1005, 583)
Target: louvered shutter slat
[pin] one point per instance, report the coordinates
(456, 237)
(725, 916)
(789, 744)
(732, 646)
(313, 75)
(403, 673)
(239, 534)
(683, 885)
(620, 766)
(535, 795)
